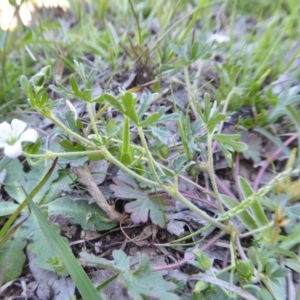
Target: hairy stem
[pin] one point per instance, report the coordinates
(212, 172)
(92, 119)
(70, 132)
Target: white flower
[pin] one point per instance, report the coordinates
(219, 38)
(12, 135)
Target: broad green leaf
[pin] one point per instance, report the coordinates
(6, 231)
(141, 283)
(16, 175)
(279, 285)
(4, 162)
(72, 123)
(264, 294)
(244, 216)
(12, 258)
(7, 208)
(258, 213)
(292, 239)
(293, 262)
(80, 278)
(64, 179)
(147, 204)
(81, 212)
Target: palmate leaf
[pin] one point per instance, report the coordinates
(140, 283)
(146, 204)
(253, 141)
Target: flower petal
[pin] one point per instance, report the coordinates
(30, 135)
(2, 143)
(5, 129)
(13, 151)
(18, 126)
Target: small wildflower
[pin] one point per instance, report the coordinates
(219, 38)
(12, 135)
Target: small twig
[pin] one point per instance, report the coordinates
(135, 240)
(87, 179)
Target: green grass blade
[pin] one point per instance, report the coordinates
(80, 278)
(137, 21)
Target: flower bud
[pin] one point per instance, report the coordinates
(200, 286)
(203, 260)
(245, 270)
(164, 151)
